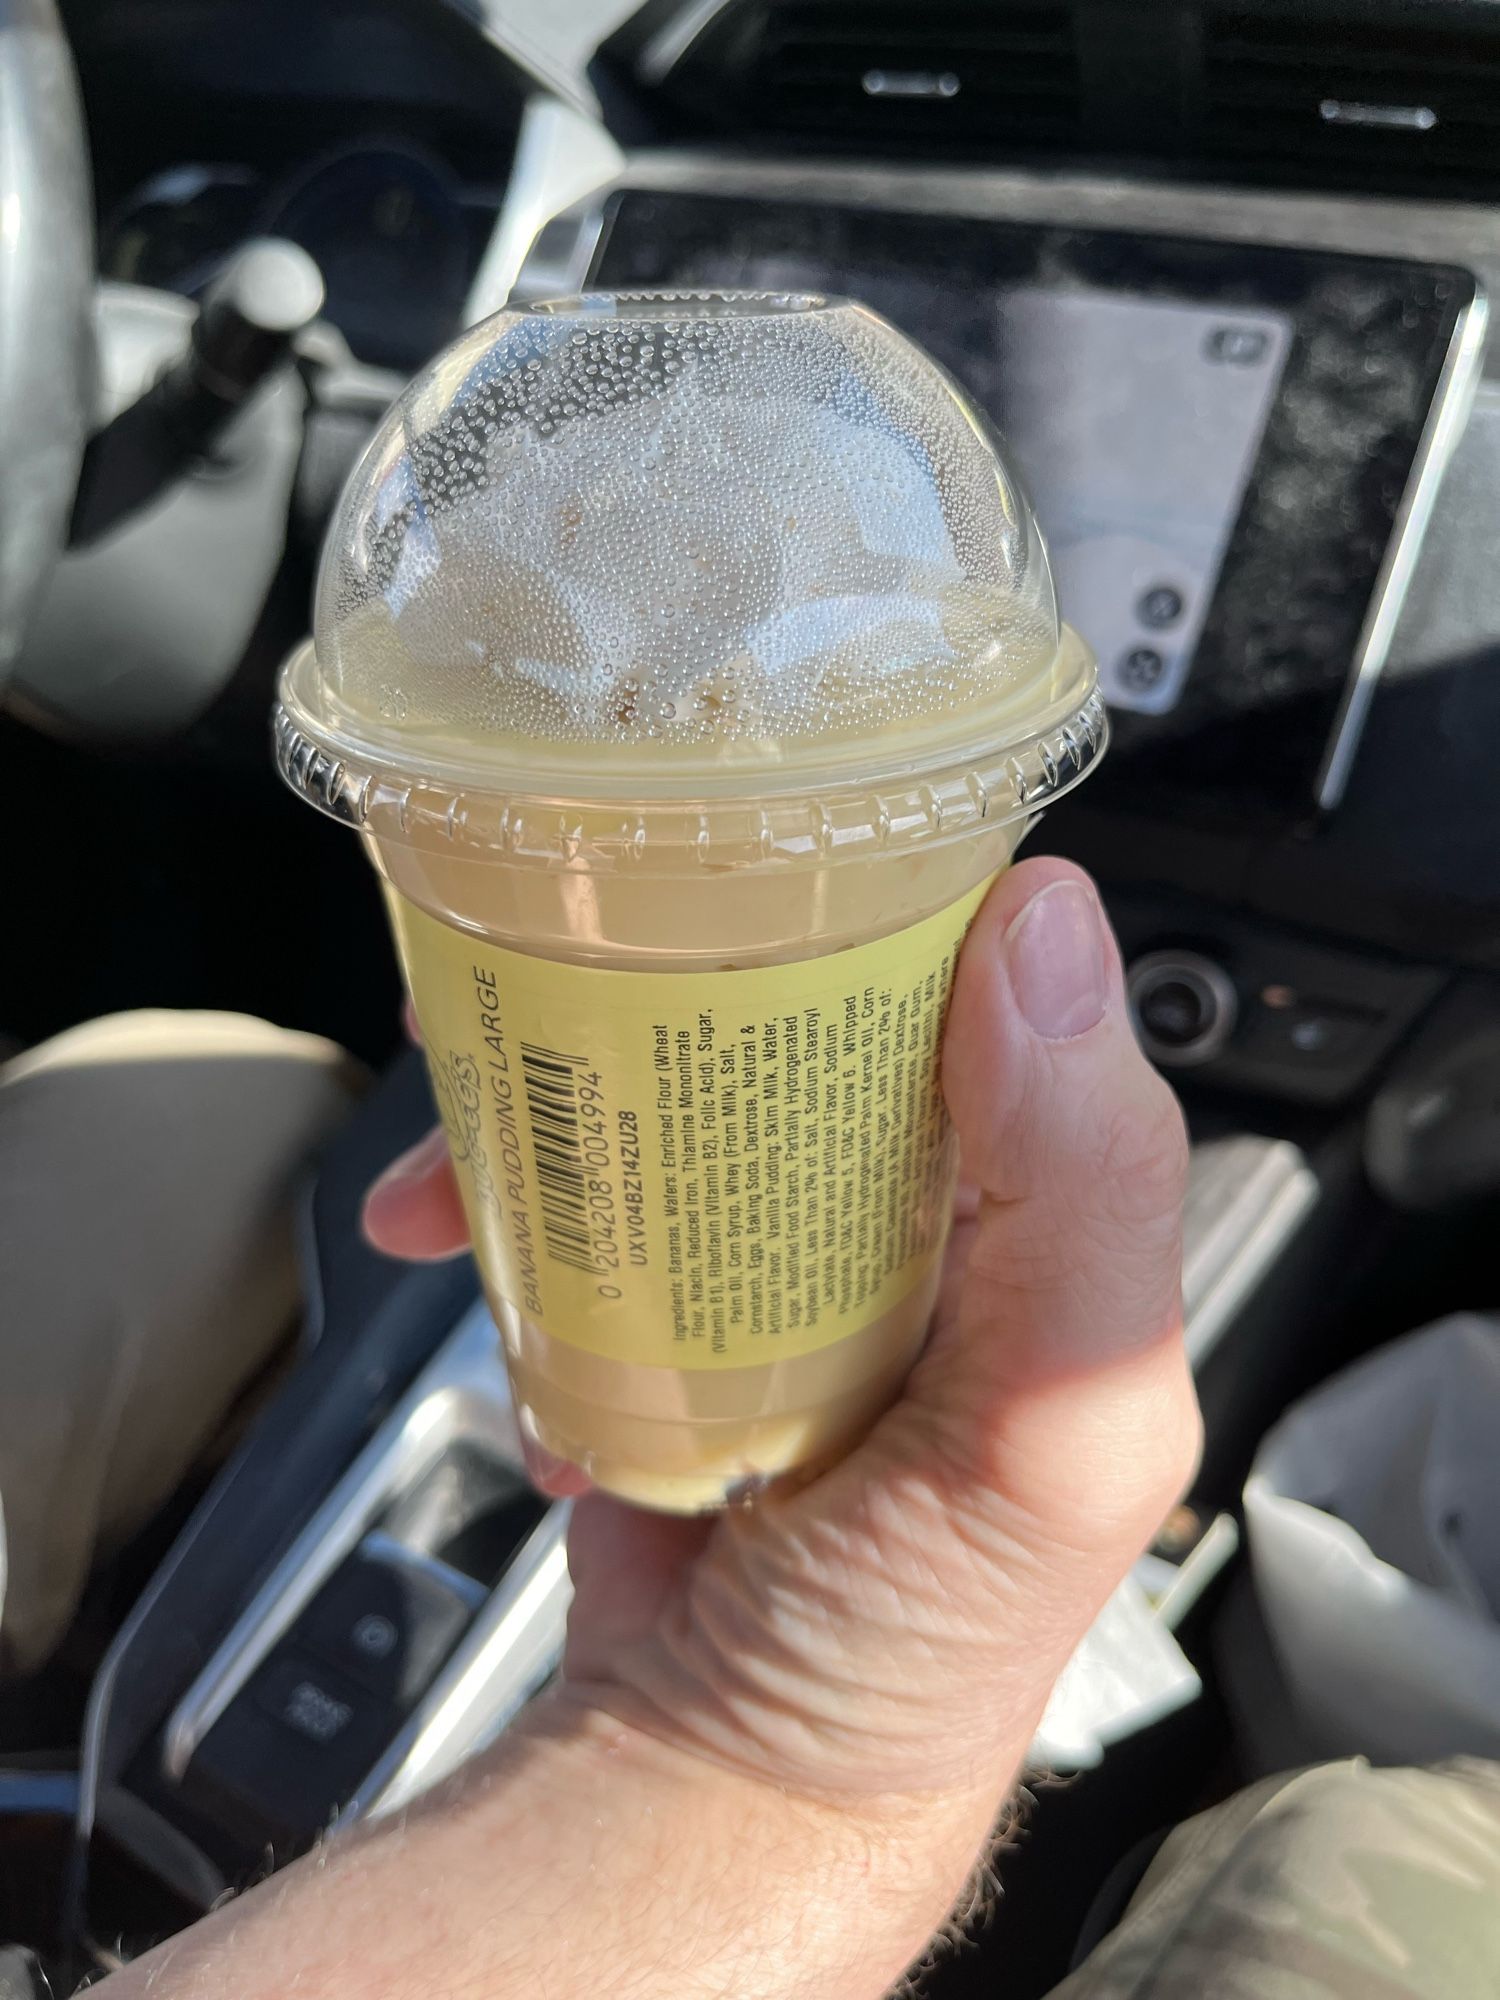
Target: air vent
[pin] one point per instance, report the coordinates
(999, 74)
(1397, 96)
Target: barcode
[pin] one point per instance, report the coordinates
(551, 1082)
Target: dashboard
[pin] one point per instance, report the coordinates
(1275, 457)
(378, 134)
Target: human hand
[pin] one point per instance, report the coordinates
(893, 1629)
(782, 1734)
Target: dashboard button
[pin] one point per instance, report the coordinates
(308, 1707)
(388, 1621)
(289, 1751)
(1184, 1007)
(1141, 668)
(1309, 1033)
(1240, 346)
(1159, 607)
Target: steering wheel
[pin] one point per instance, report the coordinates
(46, 292)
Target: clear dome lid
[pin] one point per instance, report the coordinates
(694, 543)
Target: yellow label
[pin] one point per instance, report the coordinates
(695, 1169)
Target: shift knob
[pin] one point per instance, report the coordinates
(268, 294)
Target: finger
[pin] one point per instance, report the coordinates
(626, 1566)
(1066, 1341)
(557, 1477)
(965, 1197)
(414, 1210)
(1075, 1144)
(955, 1269)
(410, 1022)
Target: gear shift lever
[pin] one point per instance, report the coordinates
(270, 292)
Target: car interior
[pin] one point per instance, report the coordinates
(1218, 271)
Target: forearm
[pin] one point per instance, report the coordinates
(585, 1857)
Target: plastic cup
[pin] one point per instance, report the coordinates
(690, 665)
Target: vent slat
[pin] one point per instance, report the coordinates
(1013, 68)
(1254, 94)
(812, 73)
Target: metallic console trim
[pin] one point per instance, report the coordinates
(1211, 982)
(670, 43)
(1451, 403)
(462, 1394)
(1425, 231)
(511, 1649)
(561, 156)
(1247, 1198)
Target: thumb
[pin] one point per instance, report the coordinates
(1060, 1380)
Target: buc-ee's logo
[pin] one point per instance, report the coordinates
(455, 1083)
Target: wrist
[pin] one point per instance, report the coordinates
(825, 1895)
(603, 1723)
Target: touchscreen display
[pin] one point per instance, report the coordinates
(1217, 438)
(1135, 422)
